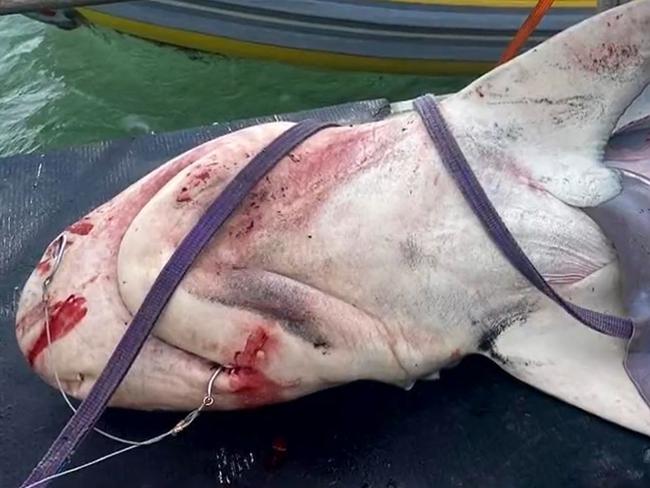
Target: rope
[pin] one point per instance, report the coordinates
(527, 28)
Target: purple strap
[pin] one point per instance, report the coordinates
(455, 162)
(129, 346)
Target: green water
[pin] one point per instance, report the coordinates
(60, 88)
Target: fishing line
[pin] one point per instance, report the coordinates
(207, 401)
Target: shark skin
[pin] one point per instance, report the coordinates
(357, 258)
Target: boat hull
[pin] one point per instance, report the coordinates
(426, 37)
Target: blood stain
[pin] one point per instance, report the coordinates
(203, 175)
(278, 453)
(64, 316)
(81, 228)
(246, 378)
(44, 266)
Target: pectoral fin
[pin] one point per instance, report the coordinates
(559, 356)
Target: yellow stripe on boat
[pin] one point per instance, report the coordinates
(232, 47)
(503, 3)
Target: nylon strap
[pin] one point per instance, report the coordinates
(170, 276)
(456, 163)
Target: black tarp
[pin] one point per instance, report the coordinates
(475, 427)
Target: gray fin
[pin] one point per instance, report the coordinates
(558, 355)
(551, 110)
(625, 220)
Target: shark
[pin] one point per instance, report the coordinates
(357, 258)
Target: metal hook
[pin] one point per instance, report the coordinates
(208, 400)
(61, 241)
